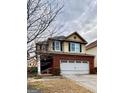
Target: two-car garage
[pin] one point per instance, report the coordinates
(73, 64)
(74, 67)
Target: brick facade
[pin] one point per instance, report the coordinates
(58, 57)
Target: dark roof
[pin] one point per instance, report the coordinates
(63, 38)
(53, 38)
(42, 42)
(58, 38)
(91, 45)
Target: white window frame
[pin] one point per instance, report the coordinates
(71, 61)
(85, 61)
(75, 50)
(78, 61)
(64, 61)
(57, 45)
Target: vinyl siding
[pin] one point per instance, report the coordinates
(50, 48)
(74, 39)
(65, 46)
(93, 51)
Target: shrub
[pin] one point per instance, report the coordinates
(32, 70)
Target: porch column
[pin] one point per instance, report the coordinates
(38, 65)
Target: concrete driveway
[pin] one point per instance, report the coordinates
(87, 81)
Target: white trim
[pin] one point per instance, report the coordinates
(38, 65)
(74, 47)
(74, 68)
(55, 46)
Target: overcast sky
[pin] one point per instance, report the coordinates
(80, 16)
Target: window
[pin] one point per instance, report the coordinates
(44, 48)
(71, 61)
(78, 61)
(84, 61)
(57, 45)
(75, 47)
(63, 61)
(72, 47)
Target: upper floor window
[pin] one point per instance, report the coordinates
(75, 47)
(57, 46)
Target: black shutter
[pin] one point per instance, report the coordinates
(40, 47)
(80, 48)
(53, 45)
(69, 46)
(61, 46)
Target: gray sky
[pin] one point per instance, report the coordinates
(80, 16)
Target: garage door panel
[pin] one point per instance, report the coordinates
(74, 72)
(67, 66)
(74, 68)
(81, 66)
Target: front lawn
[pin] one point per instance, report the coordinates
(55, 85)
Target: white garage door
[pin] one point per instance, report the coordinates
(74, 67)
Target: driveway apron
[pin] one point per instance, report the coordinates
(87, 81)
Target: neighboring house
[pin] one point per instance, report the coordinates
(91, 48)
(31, 62)
(66, 55)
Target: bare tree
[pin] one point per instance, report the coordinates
(40, 15)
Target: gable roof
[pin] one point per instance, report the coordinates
(75, 33)
(64, 38)
(91, 45)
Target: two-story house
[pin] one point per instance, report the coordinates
(64, 54)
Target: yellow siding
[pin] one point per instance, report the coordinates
(83, 48)
(65, 47)
(74, 39)
(93, 51)
(65, 44)
(50, 46)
